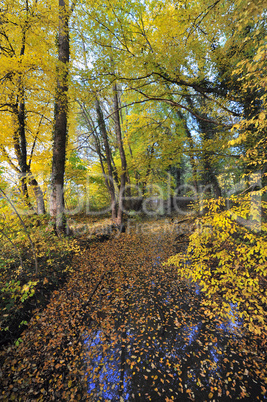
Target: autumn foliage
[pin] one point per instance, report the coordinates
(124, 320)
(133, 200)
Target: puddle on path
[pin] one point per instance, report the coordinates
(158, 346)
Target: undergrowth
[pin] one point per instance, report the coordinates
(22, 289)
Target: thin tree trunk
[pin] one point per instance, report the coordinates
(191, 147)
(109, 180)
(122, 155)
(19, 138)
(20, 148)
(61, 120)
(192, 157)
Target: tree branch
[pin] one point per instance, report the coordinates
(9, 160)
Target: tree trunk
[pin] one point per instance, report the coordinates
(191, 147)
(108, 179)
(209, 175)
(208, 133)
(60, 121)
(39, 196)
(19, 138)
(122, 156)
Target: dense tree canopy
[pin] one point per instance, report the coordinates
(188, 79)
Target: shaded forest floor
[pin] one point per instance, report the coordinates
(124, 327)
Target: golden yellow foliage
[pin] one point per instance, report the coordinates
(227, 258)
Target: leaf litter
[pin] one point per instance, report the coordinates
(125, 328)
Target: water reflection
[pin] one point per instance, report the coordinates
(162, 348)
(233, 324)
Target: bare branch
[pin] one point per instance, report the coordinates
(9, 160)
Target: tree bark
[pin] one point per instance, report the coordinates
(108, 180)
(60, 121)
(209, 175)
(19, 137)
(122, 155)
(39, 196)
(208, 132)
(191, 147)
(106, 160)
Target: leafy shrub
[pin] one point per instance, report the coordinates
(227, 256)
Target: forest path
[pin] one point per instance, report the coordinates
(125, 328)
